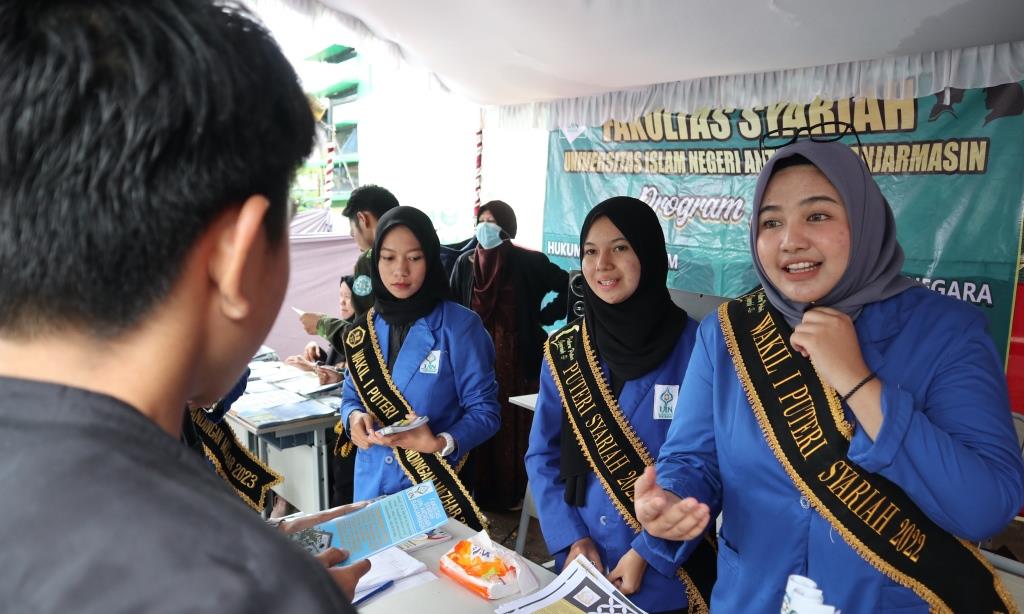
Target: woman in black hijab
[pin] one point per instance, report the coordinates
(436, 354)
(606, 400)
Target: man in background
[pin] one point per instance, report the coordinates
(365, 206)
(146, 150)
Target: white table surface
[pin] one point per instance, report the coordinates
(443, 595)
(526, 401)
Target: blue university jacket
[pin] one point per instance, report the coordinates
(563, 524)
(445, 370)
(947, 440)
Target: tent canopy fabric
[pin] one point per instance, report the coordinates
(552, 64)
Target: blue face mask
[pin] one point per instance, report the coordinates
(488, 234)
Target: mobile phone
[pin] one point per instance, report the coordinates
(403, 425)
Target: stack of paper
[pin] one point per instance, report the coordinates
(256, 401)
(392, 565)
(281, 414)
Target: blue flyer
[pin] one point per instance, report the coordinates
(382, 524)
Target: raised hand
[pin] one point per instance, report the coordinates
(663, 514)
(827, 337)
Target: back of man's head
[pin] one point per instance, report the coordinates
(370, 199)
(125, 129)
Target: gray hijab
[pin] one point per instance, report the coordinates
(876, 258)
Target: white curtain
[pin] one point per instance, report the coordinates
(911, 76)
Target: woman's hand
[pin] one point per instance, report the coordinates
(300, 362)
(327, 376)
(360, 425)
(664, 515)
(309, 321)
(421, 439)
(587, 548)
(629, 573)
(827, 337)
(312, 351)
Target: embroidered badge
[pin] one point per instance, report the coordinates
(665, 398)
(362, 286)
(431, 363)
(355, 337)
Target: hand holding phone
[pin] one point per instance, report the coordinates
(403, 425)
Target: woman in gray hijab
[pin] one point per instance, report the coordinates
(851, 426)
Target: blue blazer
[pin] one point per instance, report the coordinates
(598, 518)
(459, 394)
(947, 440)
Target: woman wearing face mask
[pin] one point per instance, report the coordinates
(852, 426)
(416, 354)
(506, 285)
(607, 395)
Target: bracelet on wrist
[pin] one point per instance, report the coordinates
(859, 385)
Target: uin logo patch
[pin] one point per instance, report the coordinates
(432, 363)
(665, 397)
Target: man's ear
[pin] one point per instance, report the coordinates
(239, 235)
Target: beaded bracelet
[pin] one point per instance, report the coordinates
(867, 379)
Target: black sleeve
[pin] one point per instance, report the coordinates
(554, 279)
(460, 277)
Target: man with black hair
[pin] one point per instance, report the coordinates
(366, 205)
(146, 149)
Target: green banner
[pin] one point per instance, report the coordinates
(951, 166)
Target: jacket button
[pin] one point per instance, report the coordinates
(389, 460)
(804, 502)
(603, 520)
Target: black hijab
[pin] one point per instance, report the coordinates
(636, 335)
(435, 285)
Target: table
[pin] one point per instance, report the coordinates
(526, 401)
(304, 488)
(443, 595)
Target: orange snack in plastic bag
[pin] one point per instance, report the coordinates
(480, 570)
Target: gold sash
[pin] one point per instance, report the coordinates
(611, 446)
(246, 474)
(803, 423)
(381, 397)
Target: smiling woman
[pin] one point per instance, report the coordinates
(803, 236)
(608, 391)
(857, 406)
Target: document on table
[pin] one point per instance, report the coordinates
(579, 588)
(380, 525)
(283, 414)
(283, 372)
(392, 565)
(264, 400)
(305, 383)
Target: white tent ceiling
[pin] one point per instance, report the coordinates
(505, 52)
